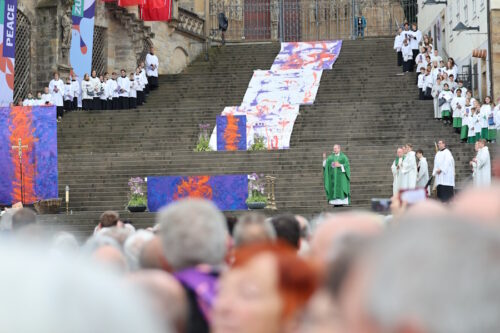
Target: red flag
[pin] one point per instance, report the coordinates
(126, 3)
(157, 10)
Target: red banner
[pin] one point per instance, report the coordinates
(156, 10)
(126, 3)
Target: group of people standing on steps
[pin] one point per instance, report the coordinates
(438, 80)
(99, 92)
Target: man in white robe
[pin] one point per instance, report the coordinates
(444, 172)
(30, 100)
(56, 89)
(481, 165)
(409, 169)
(398, 44)
(123, 90)
(46, 97)
(422, 171)
(396, 171)
(152, 69)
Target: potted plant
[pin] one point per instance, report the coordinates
(258, 143)
(256, 197)
(137, 202)
(203, 138)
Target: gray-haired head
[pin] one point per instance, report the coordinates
(193, 232)
(252, 228)
(439, 275)
(134, 245)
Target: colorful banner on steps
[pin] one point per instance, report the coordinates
(271, 102)
(37, 128)
(8, 21)
(228, 192)
(82, 37)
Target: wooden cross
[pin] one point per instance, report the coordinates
(20, 148)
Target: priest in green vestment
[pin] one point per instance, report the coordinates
(337, 177)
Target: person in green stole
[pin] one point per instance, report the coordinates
(337, 177)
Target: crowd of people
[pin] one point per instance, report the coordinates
(99, 92)
(198, 271)
(438, 80)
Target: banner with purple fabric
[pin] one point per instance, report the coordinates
(31, 131)
(8, 22)
(231, 132)
(307, 55)
(228, 192)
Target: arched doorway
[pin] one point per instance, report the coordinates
(22, 67)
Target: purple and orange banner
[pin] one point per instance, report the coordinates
(228, 192)
(8, 22)
(82, 37)
(37, 179)
(231, 132)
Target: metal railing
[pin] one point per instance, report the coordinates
(306, 20)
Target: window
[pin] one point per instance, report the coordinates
(466, 12)
(458, 10)
(474, 8)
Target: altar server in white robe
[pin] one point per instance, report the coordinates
(103, 94)
(96, 86)
(398, 44)
(436, 90)
(68, 95)
(113, 92)
(152, 69)
(407, 57)
(416, 38)
(47, 97)
(396, 171)
(56, 88)
(409, 169)
(422, 171)
(481, 165)
(140, 85)
(444, 172)
(458, 106)
(87, 93)
(77, 92)
(123, 89)
(30, 100)
(445, 98)
(132, 94)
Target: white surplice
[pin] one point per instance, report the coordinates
(56, 88)
(423, 173)
(396, 174)
(444, 161)
(482, 168)
(409, 172)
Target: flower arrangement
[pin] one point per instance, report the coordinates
(136, 197)
(256, 186)
(203, 138)
(258, 143)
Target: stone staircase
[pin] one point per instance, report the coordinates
(361, 104)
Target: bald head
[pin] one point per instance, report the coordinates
(152, 257)
(336, 226)
(426, 208)
(481, 205)
(111, 257)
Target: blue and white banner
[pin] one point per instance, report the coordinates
(82, 37)
(8, 21)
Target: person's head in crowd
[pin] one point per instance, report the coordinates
(400, 30)
(142, 65)
(422, 70)
(400, 152)
(39, 95)
(55, 294)
(434, 64)
(441, 144)
(138, 70)
(253, 228)
(23, 218)
(438, 80)
(487, 100)
(428, 70)
(446, 86)
(131, 77)
(46, 90)
(428, 59)
(151, 256)
(112, 258)
(133, 247)
(458, 92)
(428, 275)
(419, 153)
(68, 80)
(56, 76)
(94, 73)
(422, 49)
(405, 42)
(152, 50)
(337, 149)
(479, 204)
(123, 73)
(106, 75)
(109, 218)
(436, 52)
(19, 102)
(477, 105)
(193, 232)
(166, 294)
(414, 26)
(114, 75)
(336, 226)
(287, 229)
(264, 292)
(451, 78)
(467, 101)
(406, 25)
(73, 76)
(86, 77)
(120, 233)
(442, 64)
(460, 83)
(476, 146)
(101, 78)
(30, 95)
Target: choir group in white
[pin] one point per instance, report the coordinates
(455, 106)
(99, 92)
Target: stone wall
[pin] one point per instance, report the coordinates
(495, 50)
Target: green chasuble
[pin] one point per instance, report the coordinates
(337, 183)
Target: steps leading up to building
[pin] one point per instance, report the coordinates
(362, 104)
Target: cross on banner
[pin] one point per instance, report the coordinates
(20, 148)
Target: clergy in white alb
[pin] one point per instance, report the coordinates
(398, 44)
(396, 171)
(152, 69)
(444, 172)
(123, 90)
(409, 169)
(481, 165)
(56, 89)
(422, 171)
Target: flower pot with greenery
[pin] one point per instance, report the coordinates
(258, 143)
(203, 139)
(256, 197)
(137, 199)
